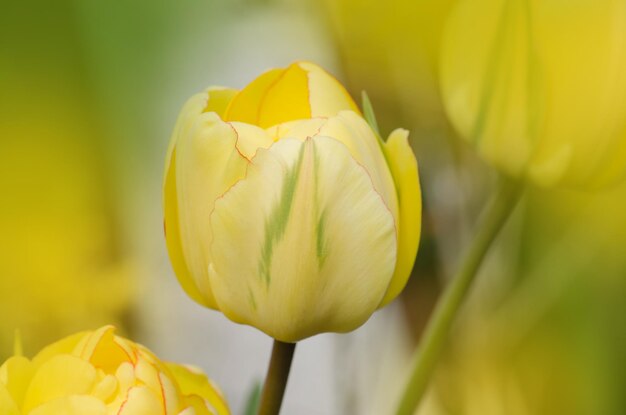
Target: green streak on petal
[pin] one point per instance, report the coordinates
(320, 231)
(276, 224)
(251, 299)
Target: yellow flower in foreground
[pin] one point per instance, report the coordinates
(284, 210)
(538, 87)
(98, 373)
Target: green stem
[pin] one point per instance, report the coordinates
(427, 353)
(277, 376)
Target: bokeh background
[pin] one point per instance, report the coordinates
(90, 91)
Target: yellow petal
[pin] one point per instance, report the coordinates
(317, 251)
(193, 382)
(63, 346)
(60, 376)
(71, 405)
(141, 401)
(218, 100)
(244, 107)
(7, 404)
(302, 90)
(204, 164)
(16, 374)
(103, 350)
(148, 375)
(404, 171)
(327, 96)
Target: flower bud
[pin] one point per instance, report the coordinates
(99, 373)
(538, 87)
(284, 210)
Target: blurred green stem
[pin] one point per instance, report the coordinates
(277, 376)
(427, 353)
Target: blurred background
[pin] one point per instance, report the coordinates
(90, 91)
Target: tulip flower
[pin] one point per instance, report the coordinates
(99, 373)
(538, 87)
(285, 210)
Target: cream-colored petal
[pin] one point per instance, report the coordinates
(71, 405)
(250, 138)
(214, 99)
(355, 133)
(171, 228)
(206, 163)
(405, 175)
(304, 244)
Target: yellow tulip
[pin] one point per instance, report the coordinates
(284, 210)
(538, 87)
(99, 373)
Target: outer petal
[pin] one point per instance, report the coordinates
(302, 90)
(7, 405)
(314, 254)
(15, 375)
(404, 170)
(204, 164)
(71, 405)
(353, 131)
(193, 382)
(60, 376)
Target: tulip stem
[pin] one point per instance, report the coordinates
(431, 344)
(276, 379)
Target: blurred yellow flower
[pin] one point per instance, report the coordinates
(538, 87)
(63, 265)
(99, 373)
(285, 210)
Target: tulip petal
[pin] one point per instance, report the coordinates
(302, 90)
(141, 401)
(63, 346)
(327, 96)
(205, 163)
(7, 404)
(213, 100)
(103, 350)
(405, 175)
(219, 99)
(355, 133)
(304, 244)
(16, 374)
(193, 383)
(71, 405)
(60, 376)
